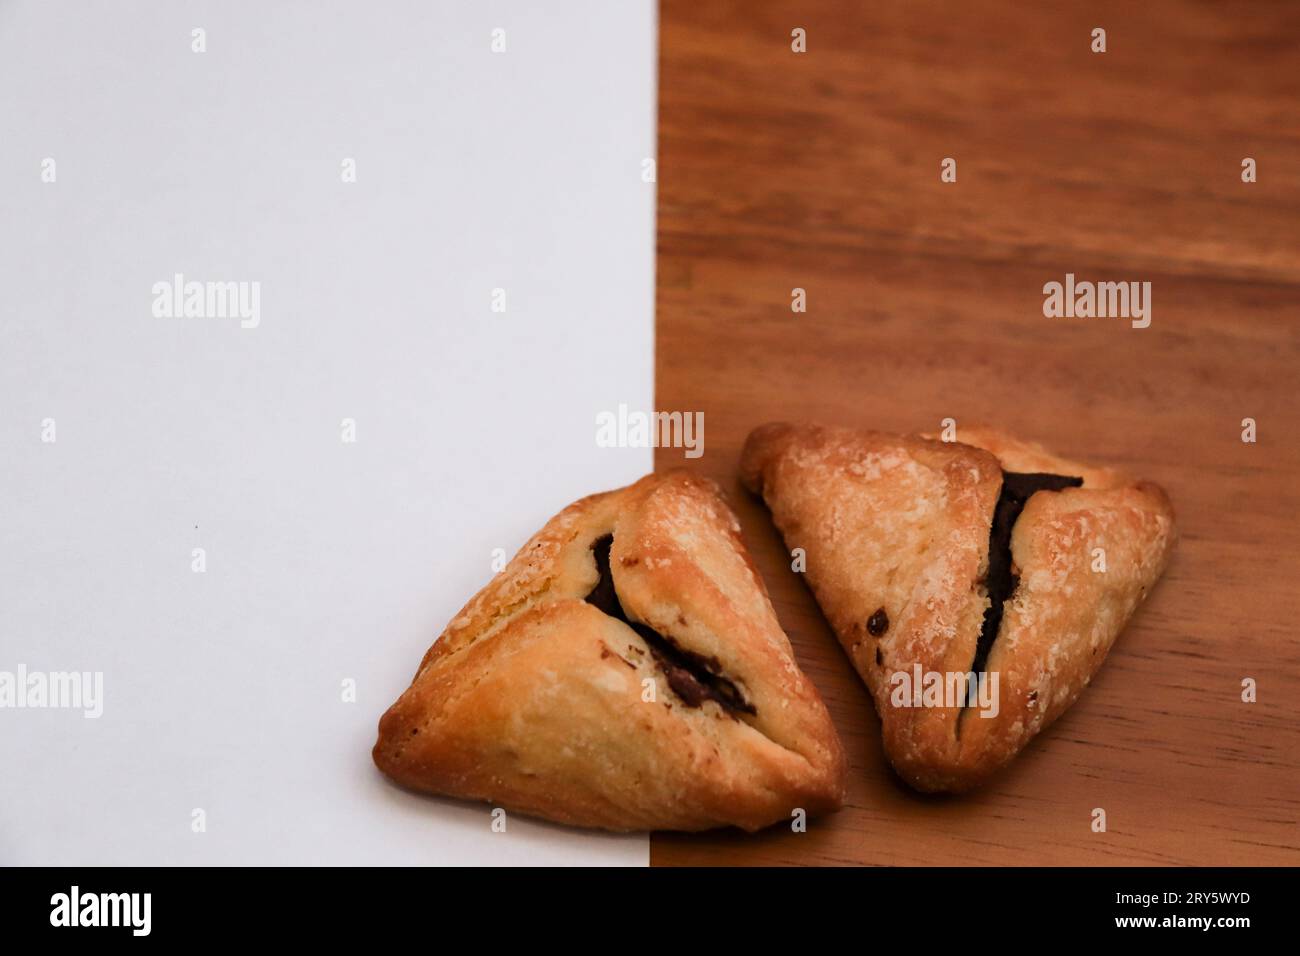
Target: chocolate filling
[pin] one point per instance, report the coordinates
(1001, 581)
(693, 677)
(878, 623)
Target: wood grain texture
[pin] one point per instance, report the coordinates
(821, 171)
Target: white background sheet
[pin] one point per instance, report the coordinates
(325, 561)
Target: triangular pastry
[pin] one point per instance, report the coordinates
(989, 557)
(625, 671)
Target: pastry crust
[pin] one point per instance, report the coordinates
(900, 526)
(534, 699)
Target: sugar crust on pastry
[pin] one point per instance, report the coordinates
(896, 530)
(533, 697)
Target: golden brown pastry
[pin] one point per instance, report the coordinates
(626, 671)
(936, 562)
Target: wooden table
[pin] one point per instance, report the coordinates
(821, 171)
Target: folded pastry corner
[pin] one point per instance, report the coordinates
(977, 586)
(624, 671)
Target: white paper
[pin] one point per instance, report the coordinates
(325, 560)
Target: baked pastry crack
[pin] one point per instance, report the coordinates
(989, 559)
(626, 671)
(1002, 578)
(692, 677)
